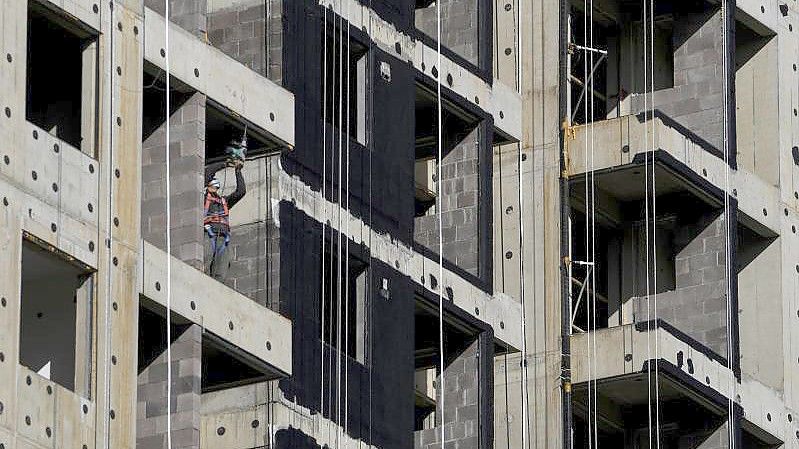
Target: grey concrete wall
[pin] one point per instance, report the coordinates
(698, 304)
(460, 191)
(188, 14)
(461, 405)
(187, 165)
(242, 30)
(696, 98)
(255, 262)
(186, 393)
(459, 26)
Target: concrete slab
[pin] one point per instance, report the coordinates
(222, 78)
(499, 311)
(617, 141)
(218, 309)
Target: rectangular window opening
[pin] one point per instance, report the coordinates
(56, 316)
(63, 50)
(336, 50)
(350, 292)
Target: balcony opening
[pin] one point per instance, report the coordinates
(55, 337)
(619, 411)
(461, 367)
(345, 71)
(460, 26)
(344, 305)
(682, 259)
(209, 361)
(756, 98)
(64, 48)
(612, 51)
(461, 188)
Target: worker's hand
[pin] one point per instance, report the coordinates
(238, 164)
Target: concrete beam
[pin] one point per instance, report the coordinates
(220, 310)
(499, 311)
(238, 408)
(497, 99)
(80, 10)
(220, 77)
(617, 141)
(624, 350)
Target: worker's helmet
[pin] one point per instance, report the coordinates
(214, 183)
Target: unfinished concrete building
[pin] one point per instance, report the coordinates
(567, 224)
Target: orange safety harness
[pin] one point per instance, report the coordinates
(215, 216)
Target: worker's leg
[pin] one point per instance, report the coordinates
(221, 262)
(210, 253)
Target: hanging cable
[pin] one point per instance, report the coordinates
(109, 245)
(346, 273)
(654, 217)
(168, 240)
(324, 210)
(440, 141)
(725, 18)
(339, 262)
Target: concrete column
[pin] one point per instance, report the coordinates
(187, 142)
(186, 390)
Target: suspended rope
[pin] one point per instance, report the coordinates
(109, 245)
(347, 236)
(654, 215)
(339, 262)
(440, 156)
(324, 211)
(168, 240)
(725, 18)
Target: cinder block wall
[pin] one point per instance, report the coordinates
(187, 165)
(696, 100)
(459, 26)
(242, 30)
(255, 233)
(188, 14)
(461, 405)
(697, 305)
(186, 394)
(460, 191)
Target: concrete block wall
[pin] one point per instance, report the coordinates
(151, 408)
(696, 100)
(188, 14)
(187, 165)
(461, 405)
(255, 262)
(697, 305)
(242, 30)
(459, 26)
(460, 192)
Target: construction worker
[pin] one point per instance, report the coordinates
(217, 210)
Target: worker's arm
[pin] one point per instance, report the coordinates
(241, 189)
(211, 169)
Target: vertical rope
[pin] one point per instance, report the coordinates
(347, 235)
(727, 229)
(339, 262)
(647, 158)
(440, 141)
(654, 217)
(109, 238)
(168, 243)
(324, 210)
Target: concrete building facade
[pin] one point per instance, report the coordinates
(594, 246)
